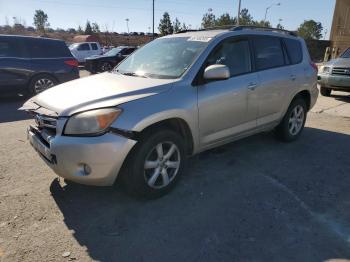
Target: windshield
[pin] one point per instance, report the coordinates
(166, 58)
(113, 51)
(346, 54)
(72, 46)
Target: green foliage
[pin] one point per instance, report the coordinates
(310, 29)
(208, 20)
(80, 30)
(88, 28)
(224, 19)
(165, 26)
(40, 20)
(280, 26)
(177, 25)
(95, 28)
(245, 18)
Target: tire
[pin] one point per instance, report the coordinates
(293, 122)
(41, 83)
(325, 91)
(152, 181)
(105, 66)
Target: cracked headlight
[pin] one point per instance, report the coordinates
(94, 122)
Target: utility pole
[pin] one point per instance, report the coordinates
(153, 19)
(127, 24)
(267, 9)
(239, 11)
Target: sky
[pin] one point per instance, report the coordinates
(111, 14)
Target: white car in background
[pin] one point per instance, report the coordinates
(85, 49)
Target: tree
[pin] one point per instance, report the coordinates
(184, 27)
(177, 25)
(245, 18)
(41, 20)
(279, 26)
(224, 19)
(262, 23)
(80, 30)
(208, 20)
(88, 28)
(95, 28)
(165, 26)
(310, 29)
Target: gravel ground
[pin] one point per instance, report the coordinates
(253, 200)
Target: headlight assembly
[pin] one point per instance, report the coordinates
(92, 122)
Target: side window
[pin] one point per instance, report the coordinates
(268, 53)
(294, 50)
(40, 48)
(9, 48)
(234, 54)
(84, 47)
(94, 46)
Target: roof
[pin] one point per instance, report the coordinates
(31, 37)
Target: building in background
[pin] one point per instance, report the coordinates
(340, 33)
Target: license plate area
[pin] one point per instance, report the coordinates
(39, 144)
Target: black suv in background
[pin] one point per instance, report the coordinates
(33, 64)
(105, 62)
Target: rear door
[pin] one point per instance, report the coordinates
(276, 78)
(227, 107)
(15, 66)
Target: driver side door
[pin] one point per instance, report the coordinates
(228, 107)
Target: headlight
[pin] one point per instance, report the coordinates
(326, 69)
(91, 122)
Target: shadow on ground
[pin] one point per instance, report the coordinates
(9, 109)
(343, 98)
(253, 200)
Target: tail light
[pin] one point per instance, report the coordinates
(72, 62)
(314, 66)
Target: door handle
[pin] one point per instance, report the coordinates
(293, 77)
(252, 86)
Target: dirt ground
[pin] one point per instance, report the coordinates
(253, 200)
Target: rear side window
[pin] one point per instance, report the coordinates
(10, 48)
(234, 54)
(41, 48)
(294, 51)
(268, 53)
(84, 47)
(94, 46)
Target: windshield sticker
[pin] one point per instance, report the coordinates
(199, 38)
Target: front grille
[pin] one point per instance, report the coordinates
(46, 126)
(341, 71)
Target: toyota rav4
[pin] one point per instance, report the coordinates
(177, 96)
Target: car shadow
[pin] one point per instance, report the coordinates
(256, 199)
(343, 98)
(9, 109)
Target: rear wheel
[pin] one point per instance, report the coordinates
(105, 66)
(40, 83)
(325, 91)
(293, 122)
(155, 164)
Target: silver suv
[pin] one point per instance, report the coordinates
(176, 96)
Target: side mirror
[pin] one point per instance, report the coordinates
(216, 72)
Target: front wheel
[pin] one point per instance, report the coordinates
(325, 91)
(105, 66)
(155, 164)
(293, 122)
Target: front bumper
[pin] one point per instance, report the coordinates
(104, 155)
(334, 81)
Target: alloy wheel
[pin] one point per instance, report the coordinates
(106, 67)
(42, 84)
(296, 120)
(162, 165)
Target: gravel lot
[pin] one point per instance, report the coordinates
(253, 200)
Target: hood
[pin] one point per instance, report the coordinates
(339, 62)
(102, 90)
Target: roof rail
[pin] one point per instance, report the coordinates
(252, 27)
(241, 27)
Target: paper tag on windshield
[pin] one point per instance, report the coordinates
(199, 38)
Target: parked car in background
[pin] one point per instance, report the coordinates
(335, 74)
(106, 62)
(34, 64)
(83, 50)
(176, 96)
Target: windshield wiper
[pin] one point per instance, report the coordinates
(132, 74)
